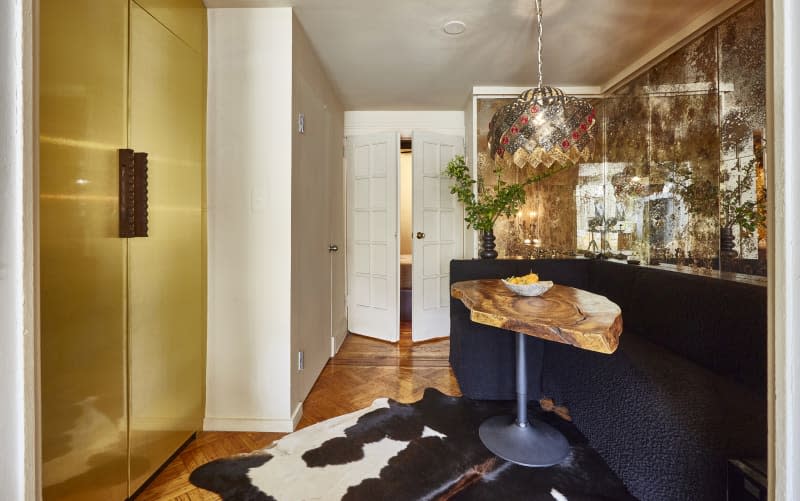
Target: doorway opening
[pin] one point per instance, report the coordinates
(406, 230)
(432, 233)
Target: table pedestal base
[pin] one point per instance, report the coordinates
(537, 444)
(524, 442)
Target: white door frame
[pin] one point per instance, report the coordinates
(783, 150)
(404, 123)
(19, 227)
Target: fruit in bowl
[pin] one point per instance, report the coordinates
(530, 278)
(527, 285)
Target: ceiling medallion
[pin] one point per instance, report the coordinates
(543, 126)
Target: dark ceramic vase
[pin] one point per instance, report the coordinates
(727, 244)
(487, 247)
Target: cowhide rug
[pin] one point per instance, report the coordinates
(391, 451)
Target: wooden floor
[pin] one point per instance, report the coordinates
(363, 370)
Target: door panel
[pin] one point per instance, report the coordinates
(373, 254)
(311, 261)
(436, 219)
(166, 299)
(83, 101)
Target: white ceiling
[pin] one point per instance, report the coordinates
(387, 55)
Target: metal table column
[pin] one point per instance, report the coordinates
(523, 441)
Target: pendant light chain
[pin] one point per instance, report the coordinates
(539, 17)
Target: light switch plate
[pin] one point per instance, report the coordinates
(258, 202)
(301, 123)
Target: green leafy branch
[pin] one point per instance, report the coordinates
(502, 199)
(748, 214)
(703, 196)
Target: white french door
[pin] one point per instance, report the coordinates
(373, 252)
(438, 233)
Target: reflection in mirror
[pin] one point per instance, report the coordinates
(678, 176)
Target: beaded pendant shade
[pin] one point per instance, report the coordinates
(543, 126)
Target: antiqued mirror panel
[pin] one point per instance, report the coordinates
(678, 175)
(743, 122)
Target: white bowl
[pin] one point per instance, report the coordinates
(534, 289)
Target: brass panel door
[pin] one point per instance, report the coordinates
(165, 270)
(185, 18)
(83, 120)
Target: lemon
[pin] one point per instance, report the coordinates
(530, 278)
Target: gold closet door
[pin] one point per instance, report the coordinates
(166, 269)
(83, 120)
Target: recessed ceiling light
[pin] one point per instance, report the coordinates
(454, 27)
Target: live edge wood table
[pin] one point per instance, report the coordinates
(562, 314)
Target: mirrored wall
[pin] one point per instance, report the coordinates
(678, 175)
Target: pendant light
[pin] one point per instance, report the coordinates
(543, 127)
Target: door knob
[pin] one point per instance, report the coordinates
(333, 248)
(420, 235)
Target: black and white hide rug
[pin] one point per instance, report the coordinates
(391, 451)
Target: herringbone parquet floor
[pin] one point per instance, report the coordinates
(363, 370)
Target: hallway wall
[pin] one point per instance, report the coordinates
(316, 213)
(271, 191)
(249, 219)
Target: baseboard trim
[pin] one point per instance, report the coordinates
(297, 415)
(249, 424)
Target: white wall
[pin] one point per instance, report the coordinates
(249, 218)
(18, 462)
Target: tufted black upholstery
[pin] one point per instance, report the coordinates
(685, 390)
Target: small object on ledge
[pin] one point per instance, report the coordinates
(633, 261)
(654, 261)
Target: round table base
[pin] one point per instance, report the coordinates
(537, 444)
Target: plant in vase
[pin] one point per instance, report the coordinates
(730, 200)
(483, 209)
(737, 208)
